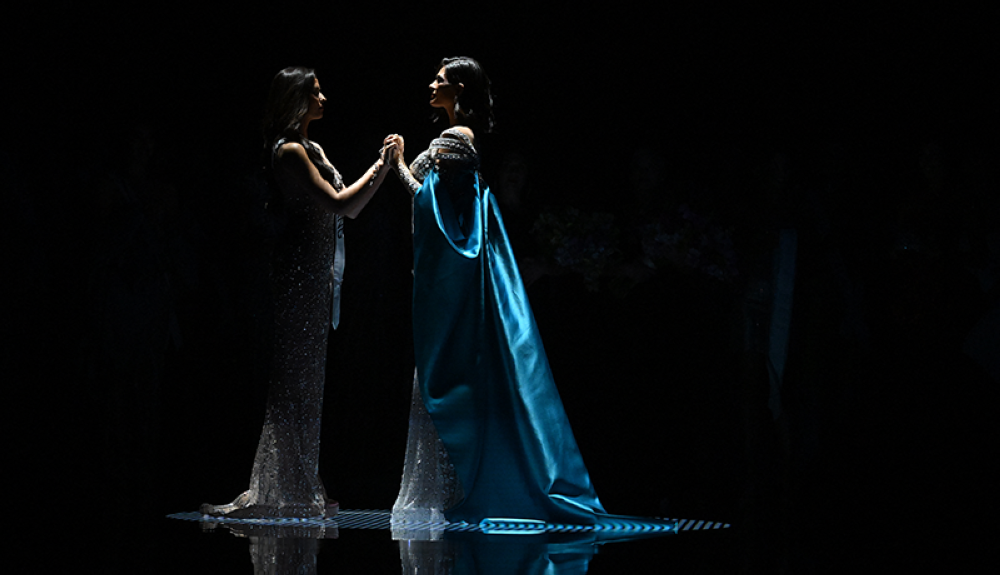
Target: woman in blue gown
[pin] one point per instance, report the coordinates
(488, 434)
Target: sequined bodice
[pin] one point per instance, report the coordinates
(452, 151)
(310, 233)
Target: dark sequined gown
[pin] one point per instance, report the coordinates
(285, 480)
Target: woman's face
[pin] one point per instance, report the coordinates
(443, 93)
(316, 101)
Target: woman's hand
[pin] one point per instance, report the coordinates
(397, 142)
(387, 155)
(399, 163)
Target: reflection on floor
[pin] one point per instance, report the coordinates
(378, 519)
(429, 544)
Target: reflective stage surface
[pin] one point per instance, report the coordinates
(372, 541)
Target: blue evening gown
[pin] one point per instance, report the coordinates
(488, 434)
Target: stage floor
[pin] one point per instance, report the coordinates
(370, 541)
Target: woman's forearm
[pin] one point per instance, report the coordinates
(361, 191)
(405, 176)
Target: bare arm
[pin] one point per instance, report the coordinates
(297, 169)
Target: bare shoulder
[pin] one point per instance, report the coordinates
(290, 148)
(292, 155)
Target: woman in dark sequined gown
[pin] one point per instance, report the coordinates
(306, 274)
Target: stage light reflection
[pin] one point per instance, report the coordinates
(380, 519)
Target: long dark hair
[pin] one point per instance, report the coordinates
(287, 103)
(474, 105)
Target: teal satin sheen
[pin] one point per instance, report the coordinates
(483, 372)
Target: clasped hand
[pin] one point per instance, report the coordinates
(395, 141)
(388, 151)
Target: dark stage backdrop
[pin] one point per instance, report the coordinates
(141, 239)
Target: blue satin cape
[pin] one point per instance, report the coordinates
(482, 369)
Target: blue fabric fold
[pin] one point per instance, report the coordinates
(482, 368)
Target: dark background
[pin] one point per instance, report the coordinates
(139, 240)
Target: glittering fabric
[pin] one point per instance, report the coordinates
(429, 484)
(453, 151)
(285, 479)
(273, 555)
(427, 557)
